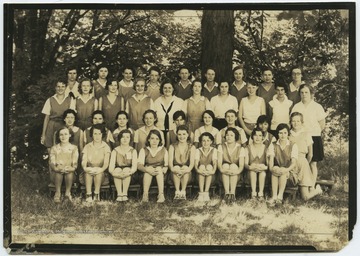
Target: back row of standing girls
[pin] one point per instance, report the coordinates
(131, 97)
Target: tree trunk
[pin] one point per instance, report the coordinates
(217, 34)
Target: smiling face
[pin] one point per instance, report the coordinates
(140, 87)
(267, 76)
(125, 139)
(98, 119)
(154, 140)
(206, 142)
(239, 75)
(64, 135)
(154, 76)
(122, 120)
(113, 87)
(251, 89)
(184, 74)
(168, 89)
(86, 87)
(224, 88)
(230, 137)
(197, 88)
(149, 119)
(264, 126)
(182, 135)
(296, 123)
(283, 135)
(230, 118)
(69, 119)
(97, 135)
(60, 88)
(258, 137)
(128, 75)
(103, 73)
(208, 120)
(280, 92)
(72, 75)
(179, 121)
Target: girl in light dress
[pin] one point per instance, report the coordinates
(123, 164)
(181, 161)
(63, 163)
(205, 165)
(153, 162)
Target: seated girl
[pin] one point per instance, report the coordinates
(230, 163)
(179, 118)
(95, 161)
(153, 162)
(63, 163)
(122, 123)
(97, 118)
(123, 164)
(208, 118)
(181, 161)
(205, 165)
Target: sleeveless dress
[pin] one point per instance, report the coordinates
(256, 160)
(136, 111)
(194, 113)
(99, 90)
(84, 111)
(110, 110)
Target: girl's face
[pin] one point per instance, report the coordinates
(179, 121)
(230, 137)
(182, 135)
(113, 87)
(140, 87)
(296, 123)
(206, 142)
(69, 119)
(197, 88)
(149, 119)
(72, 74)
(98, 119)
(239, 75)
(280, 92)
(224, 88)
(251, 89)
(184, 74)
(60, 88)
(230, 118)
(86, 87)
(122, 120)
(283, 134)
(296, 75)
(127, 74)
(168, 89)
(208, 120)
(97, 135)
(267, 76)
(264, 126)
(210, 75)
(125, 139)
(258, 137)
(103, 73)
(154, 76)
(154, 140)
(64, 135)
(305, 94)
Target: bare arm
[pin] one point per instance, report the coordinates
(45, 124)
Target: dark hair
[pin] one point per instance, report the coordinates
(97, 112)
(230, 111)
(166, 81)
(152, 112)
(295, 67)
(100, 67)
(121, 134)
(100, 127)
(212, 68)
(281, 127)
(252, 82)
(241, 66)
(311, 89)
(197, 81)
(206, 134)
(263, 119)
(179, 113)
(184, 67)
(256, 129)
(282, 84)
(297, 114)
(155, 68)
(137, 79)
(71, 68)
(61, 80)
(57, 136)
(155, 132)
(128, 67)
(209, 112)
(121, 112)
(183, 128)
(85, 80)
(235, 131)
(266, 69)
(109, 82)
(69, 111)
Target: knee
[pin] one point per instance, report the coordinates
(209, 168)
(176, 168)
(234, 167)
(126, 169)
(226, 166)
(202, 167)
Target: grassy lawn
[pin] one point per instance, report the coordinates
(321, 223)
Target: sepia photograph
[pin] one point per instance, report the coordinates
(179, 127)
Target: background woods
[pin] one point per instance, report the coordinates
(46, 41)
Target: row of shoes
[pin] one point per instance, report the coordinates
(180, 195)
(90, 198)
(122, 198)
(57, 198)
(160, 198)
(229, 198)
(203, 197)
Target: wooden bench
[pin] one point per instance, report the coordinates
(326, 185)
(136, 189)
(292, 192)
(51, 187)
(104, 191)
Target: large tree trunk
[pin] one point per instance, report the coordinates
(217, 33)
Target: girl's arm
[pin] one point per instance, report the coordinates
(166, 162)
(106, 162)
(81, 141)
(75, 158)
(112, 161)
(122, 103)
(141, 161)
(127, 110)
(171, 158)
(84, 160)
(220, 159)
(309, 155)
(241, 163)
(192, 159)
(263, 108)
(134, 162)
(52, 160)
(246, 161)
(100, 103)
(322, 124)
(96, 104)
(241, 120)
(197, 160)
(45, 124)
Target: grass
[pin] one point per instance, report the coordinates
(36, 219)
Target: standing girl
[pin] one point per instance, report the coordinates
(95, 161)
(54, 109)
(230, 163)
(111, 103)
(154, 85)
(205, 165)
(181, 161)
(251, 107)
(63, 163)
(207, 117)
(100, 83)
(153, 162)
(238, 87)
(123, 164)
(126, 89)
(138, 104)
(314, 123)
(256, 162)
(196, 105)
(121, 124)
(304, 143)
(283, 155)
(86, 104)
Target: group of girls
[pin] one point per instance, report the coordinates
(186, 132)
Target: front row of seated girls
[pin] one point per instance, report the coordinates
(286, 160)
